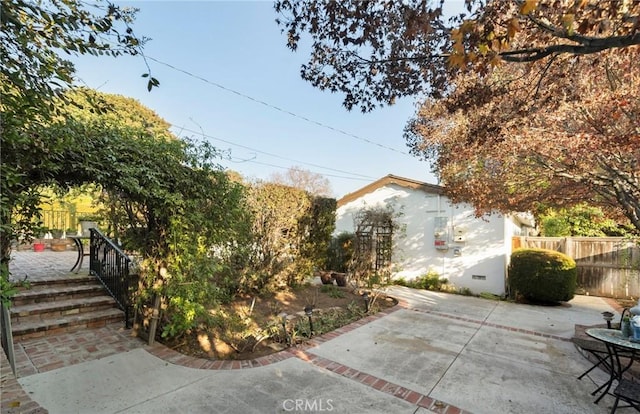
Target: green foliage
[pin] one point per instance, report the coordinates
(490, 296)
(33, 75)
(7, 289)
(428, 281)
(542, 275)
(340, 252)
(326, 321)
(315, 229)
(581, 220)
(290, 231)
(377, 231)
(332, 290)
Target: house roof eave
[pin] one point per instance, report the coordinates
(391, 179)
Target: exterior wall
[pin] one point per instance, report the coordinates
(477, 262)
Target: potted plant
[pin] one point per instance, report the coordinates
(39, 242)
(326, 278)
(340, 278)
(59, 242)
(38, 246)
(625, 327)
(88, 221)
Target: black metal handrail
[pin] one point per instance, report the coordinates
(111, 265)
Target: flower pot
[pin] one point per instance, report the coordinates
(86, 225)
(38, 247)
(59, 245)
(340, 278)
(325, 278)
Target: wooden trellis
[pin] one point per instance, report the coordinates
(374, 239)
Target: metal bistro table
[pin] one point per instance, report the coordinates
(77, 240)
(617, 347)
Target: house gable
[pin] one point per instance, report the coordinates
(387, 180)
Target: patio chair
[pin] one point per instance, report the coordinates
(597, 348)
(628, 391)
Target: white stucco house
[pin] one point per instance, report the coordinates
(437, 235)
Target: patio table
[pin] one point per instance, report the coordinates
(617, 347)
(77, 240)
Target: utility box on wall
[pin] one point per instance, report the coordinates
(441, 233)
(459, 234)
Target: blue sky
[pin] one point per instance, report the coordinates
(237, 45)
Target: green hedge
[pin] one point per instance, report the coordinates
(542, 275)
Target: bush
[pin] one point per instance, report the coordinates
(428, 281)
(542, 275)
(340, 252)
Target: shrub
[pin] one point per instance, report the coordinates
(542, 275)
(340, 252)
(428, 281)
(333, 291)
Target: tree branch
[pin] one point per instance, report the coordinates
(588, 46)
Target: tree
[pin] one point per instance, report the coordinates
(511, 139)
(306, 180)
(377, 51)
(580, 220)
(33, 75)
(34, 33)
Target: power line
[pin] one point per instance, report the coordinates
(286, 168)
(204, 135)
(304, 118)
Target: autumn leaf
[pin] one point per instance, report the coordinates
(513, 27)
(528, 6)
(456, 60)
(567, 22)
(456, 35)
(458, 47)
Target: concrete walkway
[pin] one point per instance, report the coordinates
(434, 353)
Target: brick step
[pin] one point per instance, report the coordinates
(71, 279)
(57, 292)
(59, 308)
(69, 323)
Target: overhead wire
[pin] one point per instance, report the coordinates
(287, 168)
(277, 108)
(208, 136)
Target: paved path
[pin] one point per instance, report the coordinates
(434, 353)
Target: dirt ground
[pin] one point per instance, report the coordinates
(241, 336)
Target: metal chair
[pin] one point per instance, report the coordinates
(629, 392)
(597, 348)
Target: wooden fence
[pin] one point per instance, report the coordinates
(607, 266)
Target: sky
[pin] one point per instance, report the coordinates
(227, 76)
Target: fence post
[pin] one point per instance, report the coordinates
(7, 336)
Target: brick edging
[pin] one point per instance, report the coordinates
(14, 398)
(174, 357)
(378, 384)
(614, 304)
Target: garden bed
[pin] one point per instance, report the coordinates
(251, 327)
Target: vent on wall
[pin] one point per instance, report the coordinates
(478, 277)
